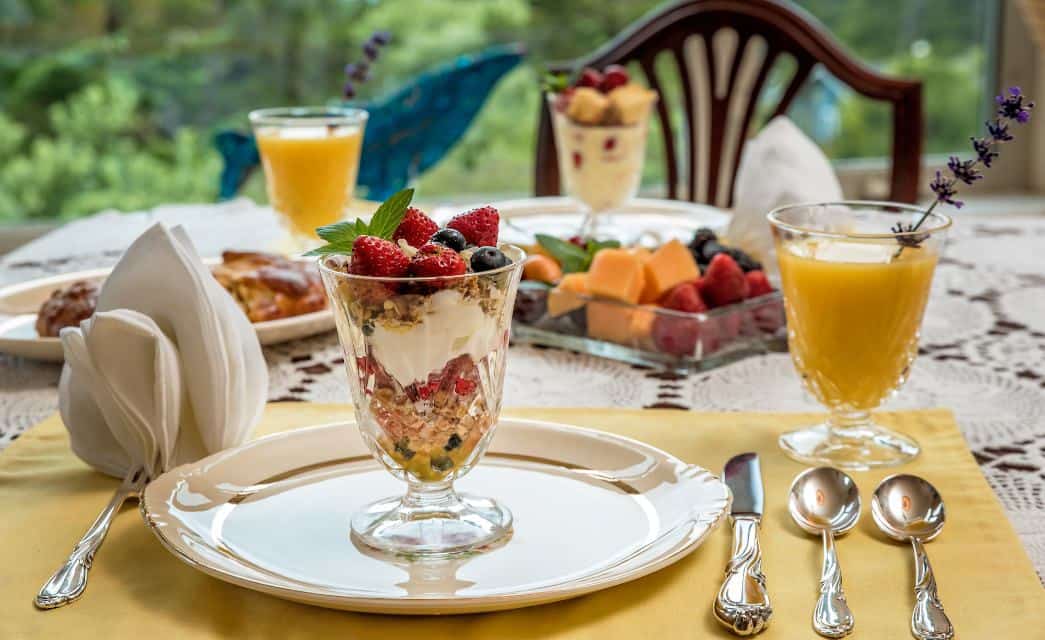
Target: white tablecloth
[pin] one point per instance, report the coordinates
(983, 347)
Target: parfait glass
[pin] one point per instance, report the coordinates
(310, 156)
(426, 360)
(601, 165)
(855, 290)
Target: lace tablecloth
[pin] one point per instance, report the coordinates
(983, 348)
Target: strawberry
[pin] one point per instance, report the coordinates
(589, 78)
(416, 228)
(675, 335)
(613, 76)
(758, 283)
(436, 260)
(684, 297)
(723, 282)
(478, 226)
(373, 256)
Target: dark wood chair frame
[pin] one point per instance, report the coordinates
(786, 29)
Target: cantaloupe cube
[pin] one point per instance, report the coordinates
(642, 253)
(642, 327)
(671, 264)
(566, 297)
(610, 321)
(616, 274)
(542, 269)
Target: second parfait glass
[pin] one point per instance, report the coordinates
(426, 360)
(856, 281)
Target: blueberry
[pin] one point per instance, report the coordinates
(701, 237)
(449, 238)
(743, 260)
(489, 258)
(453, 442)
(710, 249)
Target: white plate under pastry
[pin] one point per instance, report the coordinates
(592, 510)
(19, 304)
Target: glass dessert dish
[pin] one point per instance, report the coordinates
(855, 291)
(310, 156)
(426, 359)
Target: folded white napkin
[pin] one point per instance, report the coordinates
(779, 166)
(167, 370)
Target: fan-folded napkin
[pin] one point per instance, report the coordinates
(167, 370)
(779, 166)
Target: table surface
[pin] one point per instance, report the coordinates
(982, 349)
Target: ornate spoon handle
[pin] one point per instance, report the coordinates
(70, 580)
(928, 621)
(742, 603)
(832, 617)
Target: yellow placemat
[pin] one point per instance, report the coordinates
(987, 583)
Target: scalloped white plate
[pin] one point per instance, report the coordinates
(19, 304)
(592, 510)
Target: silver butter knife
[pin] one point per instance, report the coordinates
(742, 604)
(70, 580)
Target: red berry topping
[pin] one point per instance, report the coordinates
(613, 76)
(684, 297)
(478, 226)
(589, 78)
(464, 386)
(609, 143)
(436, 260)
(758, 283)
(577, 160)
(723, 282)
(675, 335)
(373, 256)
(577, 240)
(416, 228)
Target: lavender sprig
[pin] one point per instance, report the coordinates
(359, 71)
(1013, 107)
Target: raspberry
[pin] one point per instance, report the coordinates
(372, 256)
(416, 228)
(723, 282)
(436, 260)
(758, 284)
(613, 76)
(589, 78)
(478, 226)
(464, 386)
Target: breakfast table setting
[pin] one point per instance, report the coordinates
(593, 416)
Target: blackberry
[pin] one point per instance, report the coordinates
(743, 260)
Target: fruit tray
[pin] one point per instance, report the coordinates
(652, 336)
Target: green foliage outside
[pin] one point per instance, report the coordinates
(113, 104)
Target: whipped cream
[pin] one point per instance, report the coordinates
(451, 327)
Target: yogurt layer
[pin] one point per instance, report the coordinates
(451, 327)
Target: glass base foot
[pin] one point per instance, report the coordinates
(432, 525)
(854, 448)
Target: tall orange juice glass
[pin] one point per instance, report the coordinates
(855, 289)
(311, 157)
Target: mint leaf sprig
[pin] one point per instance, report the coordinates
(571, 257)
(383, 223)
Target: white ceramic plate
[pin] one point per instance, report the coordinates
(592, 510)
(19, 304)
(658, 220)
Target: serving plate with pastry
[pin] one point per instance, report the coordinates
(283, 297)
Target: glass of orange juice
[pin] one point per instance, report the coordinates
(855, 287)
(311, 157)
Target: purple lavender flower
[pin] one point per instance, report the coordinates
(964, 170)
(1012, 106)
(984, 150)
(349, 91)
(360, 71)
(944, 190)
(370, 50)
(999, 130)
(381, 38)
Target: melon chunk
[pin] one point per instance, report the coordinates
(670, 265)
(616, 274)
(610, 321)
(566, 297)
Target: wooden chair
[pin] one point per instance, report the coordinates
(724, 51)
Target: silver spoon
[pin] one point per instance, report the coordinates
(825, 501)
(906, 507)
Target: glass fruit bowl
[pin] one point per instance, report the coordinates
(647, 334)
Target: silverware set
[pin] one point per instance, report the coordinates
(825, 502)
